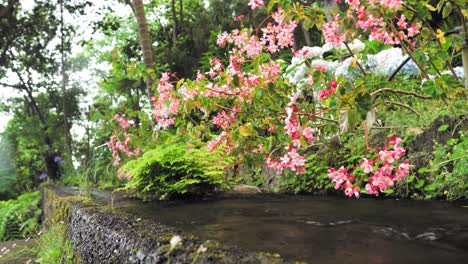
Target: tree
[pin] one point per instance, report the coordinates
(145, 42)
(29, 57)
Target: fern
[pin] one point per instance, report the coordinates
(176, 170)
(19, 218)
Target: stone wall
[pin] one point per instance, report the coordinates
(103, 235)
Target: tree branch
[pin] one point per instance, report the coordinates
(352, 54)
(400, 92)
(404, 106)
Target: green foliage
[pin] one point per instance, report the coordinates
(447, 175)
(54, 247)
(19, 218)
(7, 171)
(176, 169)
(314, 180)
(346, 150)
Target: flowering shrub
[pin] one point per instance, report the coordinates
(384, 168)
(253, 106)
(122, 146)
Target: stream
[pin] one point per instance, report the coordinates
(319, 229)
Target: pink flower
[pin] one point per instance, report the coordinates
(253, 47)
(270, 71)
(279, 34)
(308, 134)
(320, 68)
(351, 190)
(413, 30)
(121, 175)
(291, 123)
(238, 18)
(372, 190)
(339, 177)
(331, 33)
(222, 39)
(224, 120)
(403, 170)
(395, 141)
(398, 152)
(366, 165)
(386, 169)
(271, 128)
(322, 94)
(386, 156)
(213, 144)
(354, 3)
(391, 3)
(255, 3)
(401, 22)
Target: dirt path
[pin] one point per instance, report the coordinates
(16, 251)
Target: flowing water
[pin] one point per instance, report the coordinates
(322, 229)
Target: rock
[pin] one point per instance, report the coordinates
(245, 189)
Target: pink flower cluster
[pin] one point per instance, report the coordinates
(395, 4)
(323, 94)
(224, 120)
(255, 3)
(342, 179)
(279, 34)
(270, 71)
(122, 146)
(276, 36)
(332, 33)
(165, 104)
(213, 144)
(385, 175)
(216, 67)
(292, 160)
(123, 176)
(239, 85)
(361, 14)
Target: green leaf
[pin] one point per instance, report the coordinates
(447, 10)
(420, 57)
(430, 88)
(419, 184)
(424, 170)
(389, 191)
(431, 187)
(442, 128)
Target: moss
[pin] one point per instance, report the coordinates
(270, 257)
(57, 219)
(58, 208)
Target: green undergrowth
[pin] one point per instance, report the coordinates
(175, 170)
(54, 247)
(19, 218)
(446, 175)
(437, 146)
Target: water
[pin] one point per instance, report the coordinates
(322, 229)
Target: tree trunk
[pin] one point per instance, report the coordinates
(66, 125)
(174, 25)
(306, 33)
(146, 46)
(181, 13)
